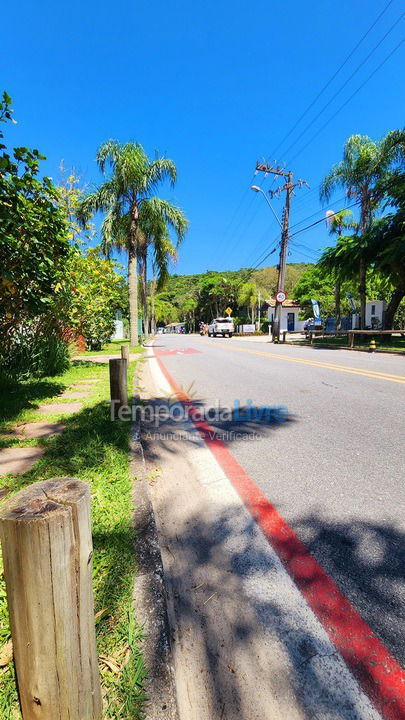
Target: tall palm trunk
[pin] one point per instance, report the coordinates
(362, 292)
(152, 303)
(144, 291)
(133, 293)
(133, 278)
(365, 221)
(337, 303)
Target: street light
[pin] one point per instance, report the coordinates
(257, 189)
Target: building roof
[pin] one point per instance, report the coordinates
(287, 303)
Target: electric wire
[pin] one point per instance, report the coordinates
(348, 100)
(372, 51)
(335, 74)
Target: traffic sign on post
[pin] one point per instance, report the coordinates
(228, 311)
(280, 297)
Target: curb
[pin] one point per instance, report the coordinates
(150, 599)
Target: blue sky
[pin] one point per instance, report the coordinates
(215, 86)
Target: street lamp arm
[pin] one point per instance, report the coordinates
(256, 188)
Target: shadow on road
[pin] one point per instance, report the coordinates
(367, 561)
(232, 426)
(239, 634)
(234, 622)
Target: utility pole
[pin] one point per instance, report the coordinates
(289, 188)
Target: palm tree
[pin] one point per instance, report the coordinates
(361, 173)
(247, 297)
(338, 222)
(127, 196)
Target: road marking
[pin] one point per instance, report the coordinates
(378, 673)
(328, 366)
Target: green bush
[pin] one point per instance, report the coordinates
(33, 352)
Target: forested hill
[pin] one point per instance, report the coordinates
(265, 279)
(204, 295)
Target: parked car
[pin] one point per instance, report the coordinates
(221, 326)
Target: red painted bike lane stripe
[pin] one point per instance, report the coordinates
(378, 673)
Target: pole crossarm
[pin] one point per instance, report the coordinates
(268, 169)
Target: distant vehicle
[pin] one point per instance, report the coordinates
(160, 330)
(221, 326)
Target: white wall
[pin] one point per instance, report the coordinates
(119, 330)
(298, 324)
(379, 306)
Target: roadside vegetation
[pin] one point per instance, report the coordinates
(396, 344)
(111, 348)
(96, 450)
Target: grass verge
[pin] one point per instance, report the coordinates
(95, 450)
(396, 345)
(112, 348)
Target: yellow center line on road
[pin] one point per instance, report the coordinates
(315, 363)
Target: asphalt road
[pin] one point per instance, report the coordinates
(334, 469)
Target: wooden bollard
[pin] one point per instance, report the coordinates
(118, 385)
(125, 352)
(47, 551)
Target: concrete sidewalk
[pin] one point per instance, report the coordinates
(245, 645)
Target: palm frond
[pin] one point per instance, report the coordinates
(162, 169)
(108, 152)
(170, 214)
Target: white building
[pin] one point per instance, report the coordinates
(290, 311)
(118, 331)
(375, 311)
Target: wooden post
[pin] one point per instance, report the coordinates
(125, 352)
(47, 551)
(118, 385)
(284, 334)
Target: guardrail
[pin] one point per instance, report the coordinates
(352, 333)
(312, 334)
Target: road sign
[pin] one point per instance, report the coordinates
(228, 311)
(280, 297)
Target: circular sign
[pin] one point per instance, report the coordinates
(280, 297)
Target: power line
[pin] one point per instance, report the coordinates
(348, 100)
(304, 230)
(363, 62)
(335, 74)
(315, 213)
(322, 220)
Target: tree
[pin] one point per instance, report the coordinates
(386, 244)
(362, 172)
(153, 234)
(165, 311)
(338, 222)
(34, 250)
(317, 283)
(248, 297)
(125, 196)
(97, 293)
(71, 193)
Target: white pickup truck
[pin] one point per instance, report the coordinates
(221, 326)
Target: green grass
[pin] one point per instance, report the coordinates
(397, 344)
(112, 348)
(95, 450)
